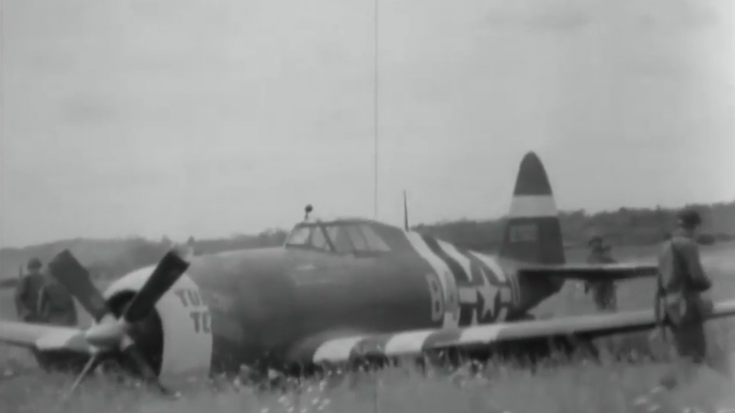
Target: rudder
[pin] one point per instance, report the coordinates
(533, 231)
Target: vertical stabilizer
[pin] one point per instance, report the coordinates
(533, 231)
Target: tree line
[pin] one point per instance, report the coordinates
(111, 258)
(625, 226)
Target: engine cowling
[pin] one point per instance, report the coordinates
(177, 338)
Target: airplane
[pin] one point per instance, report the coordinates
(337, 292)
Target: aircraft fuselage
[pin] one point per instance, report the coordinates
(263, 306)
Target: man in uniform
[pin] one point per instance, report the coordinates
(603, 291)
(28, 293)
(683, 310)
(682, 281)
(41, 299)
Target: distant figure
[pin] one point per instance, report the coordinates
(603, 291)
(40, 299)
(28, 293)
(189, 251)
(682, 281)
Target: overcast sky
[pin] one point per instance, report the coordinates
(209, 118)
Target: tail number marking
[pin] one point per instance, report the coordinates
(523, 233)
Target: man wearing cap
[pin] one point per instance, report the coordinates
(682, 281)
(680, 304)
(603, 291)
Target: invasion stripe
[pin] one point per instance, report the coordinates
(480, 334)
(492, 264)
(460, 258)
(417, 342)
(336, 350)
(449, 285)
(407, 343)
(453, 265)
(467, 295)
(372, 346)
(442, 339)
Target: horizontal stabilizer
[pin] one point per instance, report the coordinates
(8, 283)
(591, 272)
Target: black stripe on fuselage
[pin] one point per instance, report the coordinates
(457, 270)
(461, 278)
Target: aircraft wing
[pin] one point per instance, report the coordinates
(44, 337)
(350, 347)
(592, 272)
(8, 283)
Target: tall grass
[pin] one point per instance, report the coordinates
(580, 387)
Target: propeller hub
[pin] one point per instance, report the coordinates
(107, 334)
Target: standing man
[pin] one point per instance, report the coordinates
(603, 291)
(682, 281)
(41, 299)
(28, 293)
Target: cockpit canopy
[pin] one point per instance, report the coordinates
(340, 236)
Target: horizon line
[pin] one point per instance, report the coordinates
(438, 222)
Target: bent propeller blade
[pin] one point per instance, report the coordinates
(91, 365)
(75, 278)
(168, 271)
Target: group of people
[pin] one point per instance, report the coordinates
(39, 298)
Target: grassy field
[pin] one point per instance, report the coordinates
(580, 387)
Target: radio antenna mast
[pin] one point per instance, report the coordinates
(375, 109)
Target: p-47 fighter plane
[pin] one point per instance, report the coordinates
(338, 291)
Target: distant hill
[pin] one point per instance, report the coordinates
(111, 258)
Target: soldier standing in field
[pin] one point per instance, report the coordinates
(41, 299)
(28, 293)
(682, 282)
(604, 292)
(683, 308)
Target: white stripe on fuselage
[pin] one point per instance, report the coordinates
(494, 266)
(465, 294)
(446, 278)
(461, 259)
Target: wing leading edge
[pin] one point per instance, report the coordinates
(408, 343)
(44, 337)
